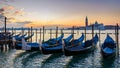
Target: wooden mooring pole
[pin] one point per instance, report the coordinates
(99, 37)
(77, 31)
(28, 34)
(61, 31)
(93, 44)
(73, 36)
(117, 39)
(56, 34)
(92, 35)
(85, 33)
(50, 33)
(73, 32)
(36, 34)
(15, 31)
(117, 44)
(40, 36)
(31, 33)
(5, 34)
(43, 33)
(12, 30)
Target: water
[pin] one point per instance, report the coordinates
(22, 59)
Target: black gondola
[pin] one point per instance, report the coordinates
(108, 48)
(54, 48)
(80, 47)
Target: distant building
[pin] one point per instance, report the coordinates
(86, 21)
(96, 26)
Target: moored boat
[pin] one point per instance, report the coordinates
(108, 48)
(77, 48)
(54, 48)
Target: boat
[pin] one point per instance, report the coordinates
(108, 48)
(34, 46)
(29, 46)
(28, 37)
(17, 35)
(53, 41)
(19, 38)
(54, 48)
(76, 47)
(18, 44)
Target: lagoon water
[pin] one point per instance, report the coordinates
(22, 59)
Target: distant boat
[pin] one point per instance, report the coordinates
(108, 48)
(79, 47)
(47, 48)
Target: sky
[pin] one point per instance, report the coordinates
(64, 13)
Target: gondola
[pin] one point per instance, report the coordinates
(29, 46)
(76, 48)
(53, 41)
(108, 48)
(34, 46)
(54, 48)
(19, 38)
(18, 44)
(28, 37)
(17, 35)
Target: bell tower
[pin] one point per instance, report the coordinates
(86, 21)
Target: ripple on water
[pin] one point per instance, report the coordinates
(56, 61)
(34, 60)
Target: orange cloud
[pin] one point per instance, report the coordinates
(9, 7)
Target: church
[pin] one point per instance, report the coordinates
(96, 25)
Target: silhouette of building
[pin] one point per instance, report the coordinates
(86, 21)
(96, 26)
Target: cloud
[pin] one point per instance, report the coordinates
(24, 22)
(6, 1)
(6, 10)
(18, 24)
(10, 10)
(18, 12)
(8, 7)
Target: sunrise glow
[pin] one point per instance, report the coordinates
(59, 12)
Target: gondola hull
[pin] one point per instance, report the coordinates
(19, 47)
(51, 50)
(78, 52)
(45, 51)
(106, 55)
